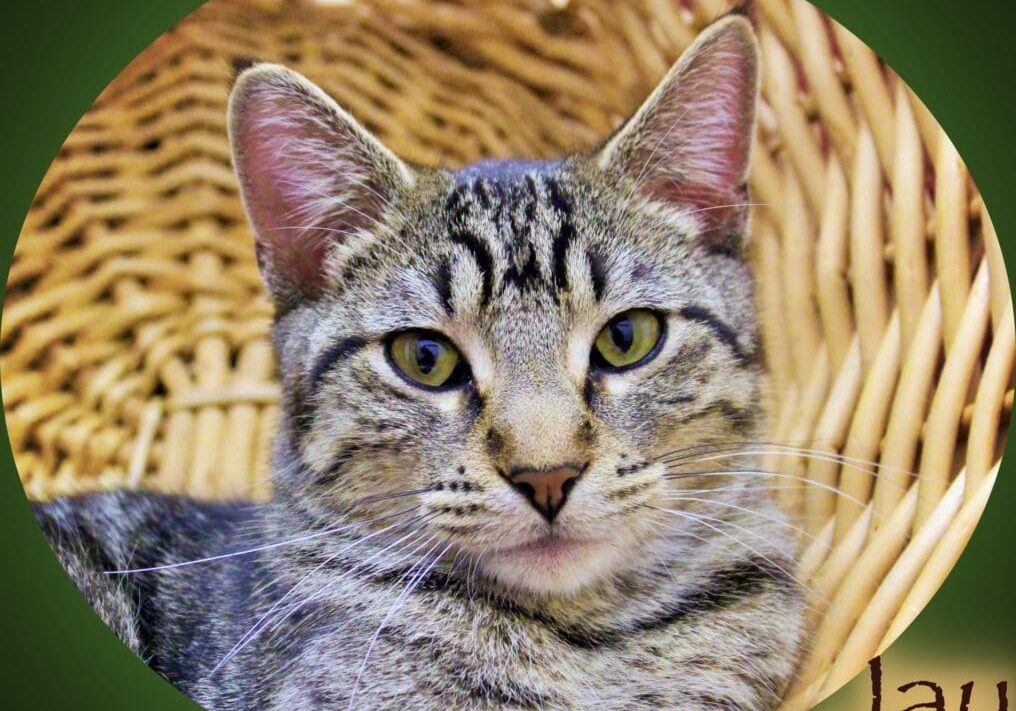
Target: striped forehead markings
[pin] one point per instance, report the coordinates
(480, 254)
(508, 194)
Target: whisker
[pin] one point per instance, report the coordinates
(818, 456)
(651, 162)
(258, 626)
(471, 575)
(703, 520)
(399, 601)
(681, 532)
(719, 489)
(421, 542)
(719, 451)
(744, 509)
(721, 207)
(311, 227)
(765, 473)
(256, 549)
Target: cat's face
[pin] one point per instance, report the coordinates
(515, 345)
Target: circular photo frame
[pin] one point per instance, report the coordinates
(495, 355)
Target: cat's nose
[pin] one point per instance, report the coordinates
(546, 489)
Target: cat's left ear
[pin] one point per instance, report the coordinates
(311, 177)
(689, 144)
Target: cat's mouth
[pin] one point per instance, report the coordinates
(551, 550)
(552, 564)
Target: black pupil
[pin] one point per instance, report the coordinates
(623, 334)
(427, 353)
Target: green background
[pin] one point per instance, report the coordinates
(58, 55)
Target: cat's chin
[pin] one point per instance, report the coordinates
(552, 565)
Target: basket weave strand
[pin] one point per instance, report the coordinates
(134, 338)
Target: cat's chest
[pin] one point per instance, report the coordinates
(439, 653)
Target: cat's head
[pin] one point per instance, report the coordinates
(518, 343)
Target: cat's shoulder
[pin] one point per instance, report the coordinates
(128, 514)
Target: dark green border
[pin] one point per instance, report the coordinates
(58, 55)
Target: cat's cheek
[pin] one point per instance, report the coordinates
(615, 386)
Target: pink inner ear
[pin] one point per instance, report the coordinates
(694, 140)
(305, 183)
(719, 214)
(276, 191)
(716, 107)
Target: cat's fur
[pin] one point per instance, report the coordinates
(519, 264)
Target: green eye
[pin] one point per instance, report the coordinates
(425, 358)
(628, 339)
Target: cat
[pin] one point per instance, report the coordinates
(499, 480)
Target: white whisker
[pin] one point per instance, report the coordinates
(733, 449)
(703, 520)
(256, 549)
(414, 547)
(744, 509)
(399, 601)
(721, 207)
(765, 473)
(258, 626)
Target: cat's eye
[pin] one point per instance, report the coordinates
(426, 358)
(628, 340)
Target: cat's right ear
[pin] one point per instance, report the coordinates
(311, 178)
(689, 144)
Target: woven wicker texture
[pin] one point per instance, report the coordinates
(134, 335)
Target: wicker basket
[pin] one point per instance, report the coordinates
(134, 336)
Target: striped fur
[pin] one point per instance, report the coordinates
(396, 567)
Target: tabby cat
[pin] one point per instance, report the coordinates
(497, 482)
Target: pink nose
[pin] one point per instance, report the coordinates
(546, 489)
